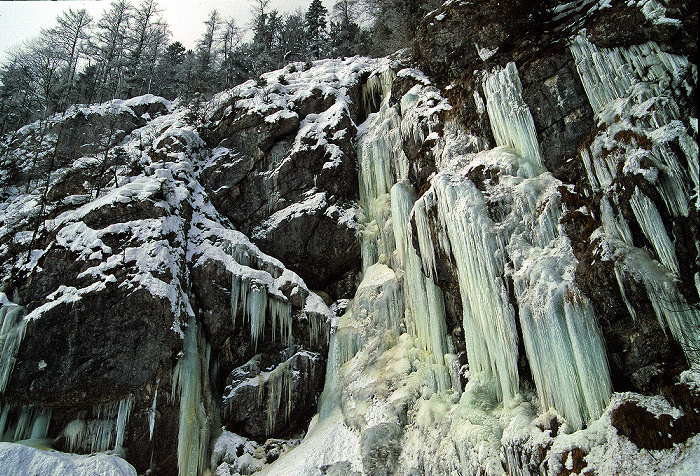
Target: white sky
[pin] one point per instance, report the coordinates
(22, 20)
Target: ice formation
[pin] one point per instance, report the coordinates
(190, 383)
(511, 121)
(630, 91)
(489, 319)
(12, 328)
(390, 358)
(100, 429)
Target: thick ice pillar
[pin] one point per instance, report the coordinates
(489, 319)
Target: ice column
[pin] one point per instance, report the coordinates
(12, 328)
(26, 423)
(188, 380)
(376, 313)
(563, 344)
(425, 300)
(489, 319)
(381, 157)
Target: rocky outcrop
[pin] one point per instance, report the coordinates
(284, 171)
(123, 253)
(260, 402)
(177, 276)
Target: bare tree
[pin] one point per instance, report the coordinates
(110, 47)
(70, 36)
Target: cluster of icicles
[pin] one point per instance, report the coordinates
(523, 243)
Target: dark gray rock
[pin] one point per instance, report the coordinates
(292, 196)
(559, 107)
(273, 394)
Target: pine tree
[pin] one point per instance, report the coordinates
(169, 71)
(346, 34)
(293, 43)
(315, 19)
(109, 48)
(230, 41)
(206, 53)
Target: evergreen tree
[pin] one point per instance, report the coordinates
(169, 71)
(315, 19)
(206, 53)
(142, 31)
(396, 21)
(347, 38)
(109, 48)
(230, 41)
(293, 45)
(17, 99)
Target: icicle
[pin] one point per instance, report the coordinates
(194, 429)
(316, 328)
(235, 293)
(40, 428)
(652, 225)
(74, 433)
(122, 419)
(12, 329)
(281, 312)
(376, 89)
(608, 74)
(616, 228)
(670, 306)
(511, 121)
(427, 252)
(671, 186)
(381, 157)
(256, 309)
(3, 420)
(344, 344)
(376, 311)
(101, 429)
(279, 386)
(32, 423)
(425, 299)
(152, 413)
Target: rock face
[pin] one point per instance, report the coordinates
(284, 173)
(181, 278)
(129, 247)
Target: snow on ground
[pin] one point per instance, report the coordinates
(20, 460)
